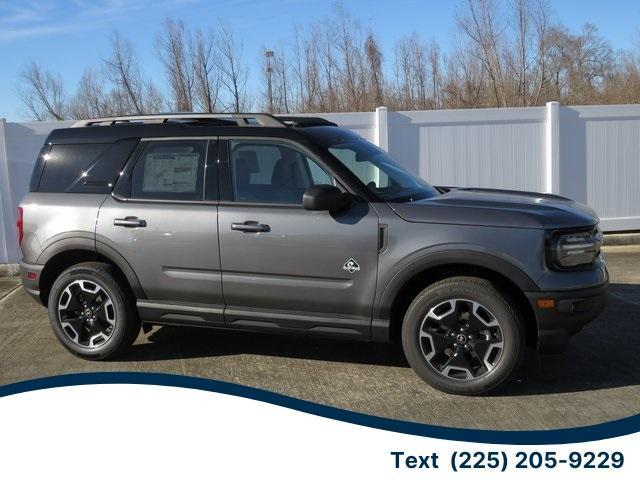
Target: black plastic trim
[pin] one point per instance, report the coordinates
(574, 309)
(73, 242)
(166, 313)
(382, 309)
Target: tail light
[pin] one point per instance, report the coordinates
(20, 225)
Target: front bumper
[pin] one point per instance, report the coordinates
(572, 310)
(30, 276)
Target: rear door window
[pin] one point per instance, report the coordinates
(170, 170)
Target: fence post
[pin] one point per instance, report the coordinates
(382, 128)
(4, 183)
(552, 148)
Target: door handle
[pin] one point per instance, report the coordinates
(250, 227)
(129, 222)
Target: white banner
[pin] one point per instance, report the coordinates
(113, 431)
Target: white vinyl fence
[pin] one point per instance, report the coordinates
(590, 154)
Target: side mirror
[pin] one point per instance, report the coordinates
(324, 197)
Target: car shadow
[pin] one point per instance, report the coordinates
(168, 343)
(604, 354)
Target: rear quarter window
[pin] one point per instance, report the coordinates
(83, 168)
(38, 168)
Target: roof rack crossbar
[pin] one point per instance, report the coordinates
(242, 119)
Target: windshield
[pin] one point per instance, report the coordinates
(387, 179)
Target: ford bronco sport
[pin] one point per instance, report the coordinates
(293, 225)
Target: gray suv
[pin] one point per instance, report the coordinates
(293, 225)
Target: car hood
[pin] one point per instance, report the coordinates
(498, 208)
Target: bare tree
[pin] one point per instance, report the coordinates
(484, 31)
(90, 100)
(313, 76)
(374, 74)
(276, 81)
(518, 61)
(207, 76)
(352, 59)
(465, 85)
(403, 74)
(418, 74)
(122, 70)
(622, 85)
(298, 69)
(542, 27)
(580, 65)
(173, 52)
(234, 73)
(527, 60)
(505, 53)
(154, 100)
(307, 70)
(42, 93)
(134, 93)
(282, 82)
(326, 68)
(434, 59)
(421, 75)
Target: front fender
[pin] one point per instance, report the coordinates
(464, 254)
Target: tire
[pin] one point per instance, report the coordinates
(113, 324)
(456, 350)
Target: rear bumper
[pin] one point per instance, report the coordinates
(30, 276)
(573, 310)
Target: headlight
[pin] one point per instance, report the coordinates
(575, 249)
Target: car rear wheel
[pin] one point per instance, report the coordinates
(463, 336)
(90, 313)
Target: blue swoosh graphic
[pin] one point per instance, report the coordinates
(601, 431)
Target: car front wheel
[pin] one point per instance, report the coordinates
(463, 336)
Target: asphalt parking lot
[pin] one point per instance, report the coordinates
(595, 380)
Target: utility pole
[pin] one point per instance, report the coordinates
(269, 72)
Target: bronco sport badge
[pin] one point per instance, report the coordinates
(351, 266)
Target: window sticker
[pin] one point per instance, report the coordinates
(170, 172)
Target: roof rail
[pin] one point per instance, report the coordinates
(240, 119)
(295, 121)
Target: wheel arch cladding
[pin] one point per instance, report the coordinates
(414, 278)
(61, 260)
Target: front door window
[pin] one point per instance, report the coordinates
(270, 172)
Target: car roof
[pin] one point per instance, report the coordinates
(112, 129)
